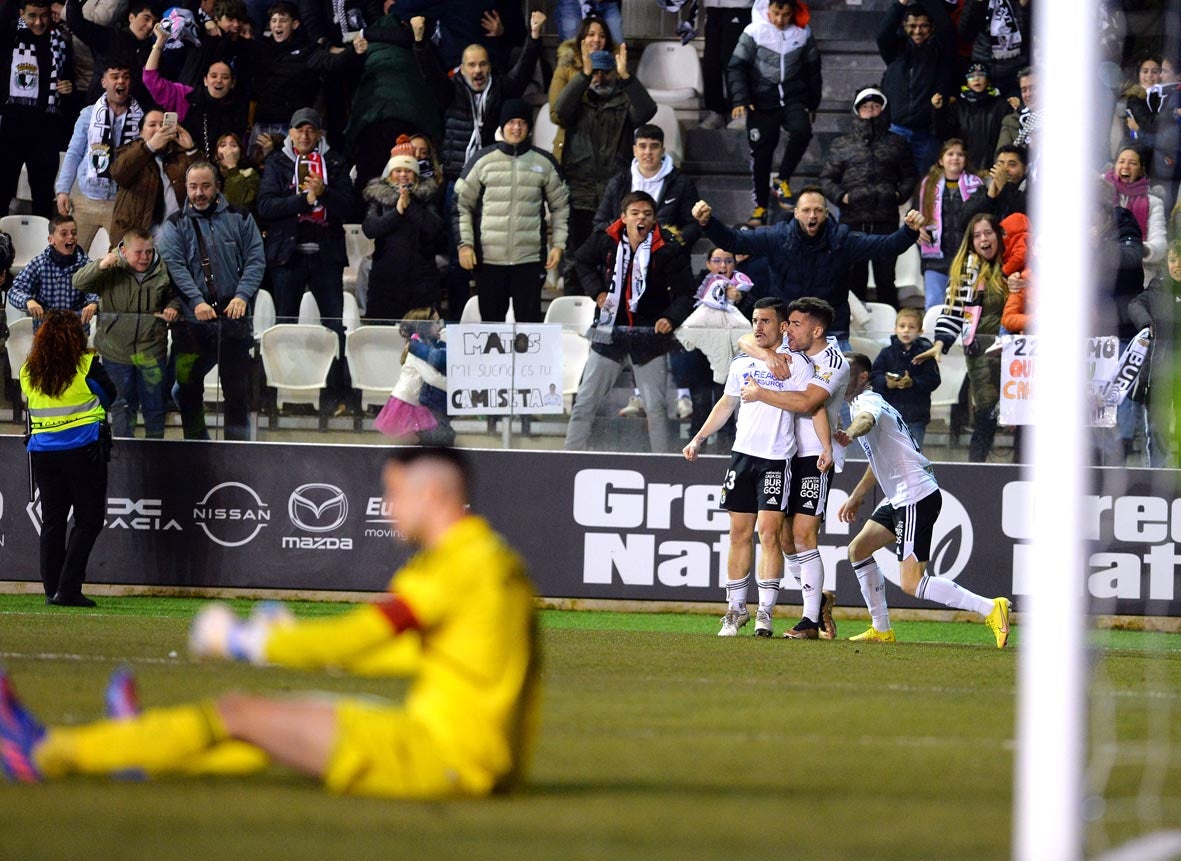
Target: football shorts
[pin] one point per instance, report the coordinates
(755, 484)
(912, 525)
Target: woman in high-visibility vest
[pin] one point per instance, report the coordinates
(68, 393)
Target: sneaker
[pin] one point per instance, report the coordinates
(684, 407)
(732, 621)
(998, 620)
(762, 624)
(758, 216)
(634, 408)
(19, 734)
(783, 191)
(805, 629)
(828, 628)
(737, 123)
(873, 635)
(121, 698)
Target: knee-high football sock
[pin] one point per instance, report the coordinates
(951, 594)
(873, 589)
(811, 582)
(768, 595)
(736, 594)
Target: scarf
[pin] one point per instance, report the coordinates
(967, 94)
(24, 81)
(1003, 29)
(311, 164)
(479, 102)
(1030, 121)
(101, 142)
(1133, 196)
(712, 293)
(629, 279)
(968, 183)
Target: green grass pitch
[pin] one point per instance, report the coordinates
(658, 740)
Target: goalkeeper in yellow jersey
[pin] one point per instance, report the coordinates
(459, 620)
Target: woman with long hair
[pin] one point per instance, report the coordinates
(1130, 188)
(976, 294)
(942, 194)
(596, 37)
(68, 393)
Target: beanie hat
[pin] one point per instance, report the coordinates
(401, 155)
(869, 94)
(516, 109)
(977, 69)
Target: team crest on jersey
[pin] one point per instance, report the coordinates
(825, 375)
(100, 158)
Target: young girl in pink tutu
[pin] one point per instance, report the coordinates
(405, 417)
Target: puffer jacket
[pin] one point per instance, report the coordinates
(772, 68)
(500, 204)
(139, 199)
(874, 167)
(280, 205)
(674, 204)
(459, 102)
(914, 73)
(404, 274)
(599, 134)
(976, 120)
(127, 328)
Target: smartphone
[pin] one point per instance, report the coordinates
(893, 376)
(303, 169)
(169, 119)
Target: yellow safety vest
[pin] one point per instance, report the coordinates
(74, 407)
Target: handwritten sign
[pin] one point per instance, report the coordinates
(496, 369)
(1019, 378)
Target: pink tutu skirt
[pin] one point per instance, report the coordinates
(399, 419)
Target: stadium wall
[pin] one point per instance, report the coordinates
(593, 526)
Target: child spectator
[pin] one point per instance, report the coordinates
(1130, 189)
(404, 417)
(430, 345)
(1001, 30)
(45, 282)
(906, 386)
(774, 79)
(942, 195)
(1017, 317)
(407, 231)
(1138, 116)
(724, 22)
(239, 178)
(975, 116)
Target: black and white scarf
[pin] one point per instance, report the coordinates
(101, 140)
(630, 268)
(24, 79)
(478, 102)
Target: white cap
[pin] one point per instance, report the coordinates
(869, 93)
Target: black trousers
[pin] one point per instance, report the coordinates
(578, 230)
(198, 347)
(74, 477)
(722, 29)
(883, 268)
(495, 285)
(32, 143)
(762, 132)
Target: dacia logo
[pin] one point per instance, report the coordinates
(318, 507)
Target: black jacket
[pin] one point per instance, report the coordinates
(914, 73)
(674, 207)
(874, 167)
(115, 41)
(669, 293)
(458, 101)
(404, 275)
(913, 404)
(287, 75)
(1120, 279)
(1013, 198)
(208, 119)
(976, 122)
(279, 208)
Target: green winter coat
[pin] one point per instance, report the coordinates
(127, 331)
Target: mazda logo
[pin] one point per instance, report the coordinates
(318, 507)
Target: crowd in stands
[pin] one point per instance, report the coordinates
(224, 146)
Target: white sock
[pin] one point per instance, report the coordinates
(768, 595)
(682, 393)
(636, 392)
(793, 568)
(873, 590)
(811, 582)
(951, 594)
(736, 594)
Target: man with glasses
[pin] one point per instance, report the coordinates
(918, 44)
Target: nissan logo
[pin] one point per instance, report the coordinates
(318, 507)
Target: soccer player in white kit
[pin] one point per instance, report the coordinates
(757, 482)
(906, 518)
(807, 324)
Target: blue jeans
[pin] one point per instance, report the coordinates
(924, 146)
(918, 430)
(935, 287)
(569, 18)
(140, 386)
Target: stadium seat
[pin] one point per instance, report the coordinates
(908, 271)
(100, 245)
(20, 341)
(29, 237)
(574, 311)
(864, 344)
(929, 319)
(544, 130)
(351, 317)
(575, 352)
(671, 73)
(374, 356)
(674, 143)
(264, 313)
(880, 325)
(358, 246)
(952, 371)
(471, 312)
(309, 310)
(296, 360)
